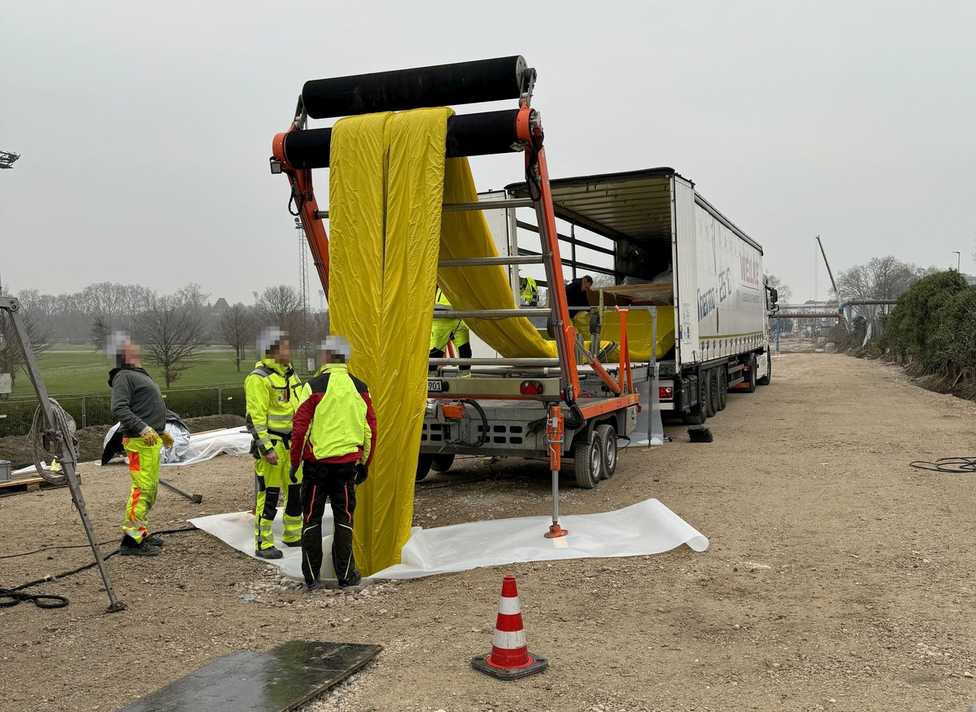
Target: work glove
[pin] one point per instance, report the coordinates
(149, 436)
(362, 472)
(272, 457)
(166, 438)
(293, 475)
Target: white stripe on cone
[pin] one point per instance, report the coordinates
(509, 640)
(509, 606)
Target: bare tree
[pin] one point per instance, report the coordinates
(172, 332)
(279, 305)
(879, 278)
(238, 329)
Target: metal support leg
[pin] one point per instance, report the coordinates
(68, 458)
(554, 436)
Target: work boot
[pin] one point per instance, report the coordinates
(269, 553)
(311, 587)
(130, 547)
(153, 539)
(353, 581)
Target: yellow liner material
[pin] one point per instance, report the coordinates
(387, 183)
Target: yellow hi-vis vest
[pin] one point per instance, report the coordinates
(339, 424)
(271, 392)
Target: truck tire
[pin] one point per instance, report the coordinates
(423, 466)
(706, 394)
(607, 435)
(715, 390)
(751, 377)
(696, 414)
(587, 461)
(723, 387)
(442, 463)
(764, 381)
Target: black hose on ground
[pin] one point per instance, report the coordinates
(963, 465)
(10, 597)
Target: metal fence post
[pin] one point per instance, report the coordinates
(84, 414)
(220, 400)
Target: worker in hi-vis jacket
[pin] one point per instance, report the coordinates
(444, 331)
(139, 407)
(333, 442)
(272, 392)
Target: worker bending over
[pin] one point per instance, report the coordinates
(333, 442)
(272, 394)
(139, 407)
(444, 331)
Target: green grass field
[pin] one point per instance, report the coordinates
(76, 370)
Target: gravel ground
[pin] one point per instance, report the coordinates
(838, 577)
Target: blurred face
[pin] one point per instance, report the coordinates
(131, 354)
(587, 282)
(283, 355)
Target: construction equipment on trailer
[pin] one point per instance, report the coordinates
(562, 407)
(58, 440)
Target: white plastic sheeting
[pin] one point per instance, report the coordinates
(204, 446)
(641, 529)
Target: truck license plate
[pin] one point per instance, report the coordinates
(436, 385)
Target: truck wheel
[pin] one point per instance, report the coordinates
(607, 436)
(423, 466)
(715, 388)
(706, 394)
(587, 461)
(723, 387)
(442, 463)
(764, 381)
(751, 378)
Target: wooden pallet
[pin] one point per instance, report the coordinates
(24, 484)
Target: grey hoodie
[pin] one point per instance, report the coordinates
(136, 401)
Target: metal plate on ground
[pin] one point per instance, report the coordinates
(281, 679)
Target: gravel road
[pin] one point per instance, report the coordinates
(838, 577)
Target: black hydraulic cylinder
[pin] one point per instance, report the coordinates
(467, 135)
(439, 85)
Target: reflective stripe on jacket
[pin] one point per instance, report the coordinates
(272, 392)
(335, 422)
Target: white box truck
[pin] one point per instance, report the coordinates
(659, 242)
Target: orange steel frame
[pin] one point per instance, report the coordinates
(530, 133)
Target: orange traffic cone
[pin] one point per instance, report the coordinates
(509, 658)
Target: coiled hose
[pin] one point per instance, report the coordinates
(47, 446)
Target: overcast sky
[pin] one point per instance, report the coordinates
(145, 128)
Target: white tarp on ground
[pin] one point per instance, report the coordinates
(644, 528)
(204, 446)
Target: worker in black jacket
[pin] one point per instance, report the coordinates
(138, 405)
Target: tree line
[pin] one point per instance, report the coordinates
(172, 328)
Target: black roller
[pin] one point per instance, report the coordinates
(439, 85)
(467, 135)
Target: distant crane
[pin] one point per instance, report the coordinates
(830, 272)
(8, 159)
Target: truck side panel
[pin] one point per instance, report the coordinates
(730, 299)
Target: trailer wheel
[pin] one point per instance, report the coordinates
(723, 387)
(764, 381)
(607, 435)
(587, 461)
(715, 386)
(442, 463)
(707, 395)
(423, 466)
(751, 378)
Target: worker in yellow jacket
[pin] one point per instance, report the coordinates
(444, 331)
(272, 391)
